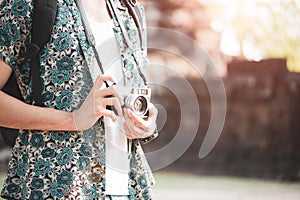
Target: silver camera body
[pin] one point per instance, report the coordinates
(136, 99)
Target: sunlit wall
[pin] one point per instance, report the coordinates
(258, 29)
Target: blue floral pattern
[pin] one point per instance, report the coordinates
(64, 164)
(21, 170)
(64, 99)
(37, 140)
(48, 153)
(83, 163)
(65, 156)
(89, 136)
(63, 41)
(41, 167)
(65, 63)
(60, 136)
(20, 8)
(60, 76)
(59, 190)
(37, 183)
(4, 38)
(12, 31)
(85, 150)
(13, 188)
(36, 195)
(65, 178)
(89, 192)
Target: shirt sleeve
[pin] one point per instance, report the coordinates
(15, 24)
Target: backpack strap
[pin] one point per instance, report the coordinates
(43, 22)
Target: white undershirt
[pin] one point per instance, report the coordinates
(117, 163)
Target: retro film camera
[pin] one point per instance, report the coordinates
(136, 99)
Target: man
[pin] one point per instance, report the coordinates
(74, 147)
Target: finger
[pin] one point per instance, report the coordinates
(149, 124)
(133, 128)
(133, 132)
(112, 101)
(130, 122)
(110, 91)
(117, 106)
(135, 120)
(127, 132)
(101, 78)
(107, 113)
(152, 110)
(105, 92)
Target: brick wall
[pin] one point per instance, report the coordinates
(261, 135)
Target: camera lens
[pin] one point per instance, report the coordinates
(140, 105)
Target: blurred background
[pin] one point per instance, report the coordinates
(253, 47)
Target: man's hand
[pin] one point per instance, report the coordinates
(138, 127)
(95, 105)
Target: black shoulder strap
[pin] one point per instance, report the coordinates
(135, 13)
(43, 22)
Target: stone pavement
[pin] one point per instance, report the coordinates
(188, 187)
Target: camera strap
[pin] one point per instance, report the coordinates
(131, 6)
(91, 38)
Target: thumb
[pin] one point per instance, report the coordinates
(152, 110)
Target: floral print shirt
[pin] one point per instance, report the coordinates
(59, 164)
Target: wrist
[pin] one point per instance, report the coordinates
(76, 121)
(62, 121)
